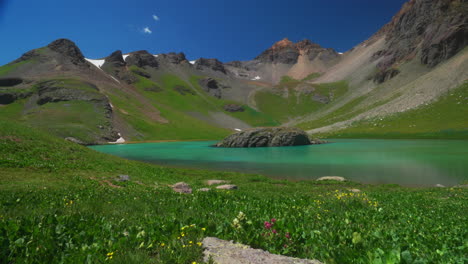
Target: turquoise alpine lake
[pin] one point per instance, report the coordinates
(404, 162)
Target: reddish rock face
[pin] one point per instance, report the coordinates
(287, 52)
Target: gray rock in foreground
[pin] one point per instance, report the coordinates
(225, 252)
(227, 187)
(331, 178)
(267, 137)
(182, 187)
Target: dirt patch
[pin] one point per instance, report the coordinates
(11, 138)
(110, 184)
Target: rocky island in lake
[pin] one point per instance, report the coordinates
(267, 137)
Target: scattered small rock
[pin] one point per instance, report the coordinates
(204, 190)
(233, 108)
(355, 190)
(226, 252)
(123, 178)
(215, 182)
(182, 187)
(227, 187)
(331, 178)
(439, 185)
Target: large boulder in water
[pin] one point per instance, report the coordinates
(266, 137)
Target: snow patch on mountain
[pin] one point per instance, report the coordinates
(97, 63)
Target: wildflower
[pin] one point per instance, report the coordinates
(162, 244)
(274, 231)
(110, 255)
(241, 216)
(199, 244)
(273, 220)
(194, 262)
(267, 225)
(287, 235)
(236, 224)
(203, 229)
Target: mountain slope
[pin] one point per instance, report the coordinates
(414, 60)
(144, 97)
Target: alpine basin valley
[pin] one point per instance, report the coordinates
(393, 108)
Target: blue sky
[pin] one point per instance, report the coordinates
(227, 30)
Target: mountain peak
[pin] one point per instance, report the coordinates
(67, 48)
(282, 44)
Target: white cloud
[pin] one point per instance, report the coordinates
(146, 30)
(155, 17)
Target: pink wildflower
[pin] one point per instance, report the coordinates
(267, 225)
(273, 220)
(287, 235)
(274, 231)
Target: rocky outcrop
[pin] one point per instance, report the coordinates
(8, 82)
(115, 59)
(283, 51)
(287, 52)
(212, 64)
(142, 58)
(211, 86)
(57, 91)
(9, 96)
(174, 58)
(266, 137)
(437, 28)
(68, 49)
(116, 66)
(385, 75)
(233, 108)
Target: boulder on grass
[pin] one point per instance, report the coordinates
(182, 187)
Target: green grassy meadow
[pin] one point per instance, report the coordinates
(60, 203)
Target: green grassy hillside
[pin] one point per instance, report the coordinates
(293, 98)
(444, 118)
(76, 109)
(60, 203)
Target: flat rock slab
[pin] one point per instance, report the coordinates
(331, 178)
(226, 252)
(227, 187)
(182, 187)
(215, 182)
